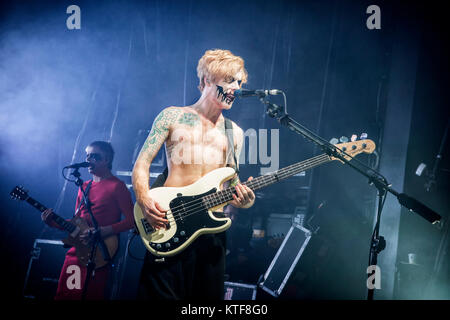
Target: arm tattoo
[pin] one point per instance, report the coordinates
(159, 132)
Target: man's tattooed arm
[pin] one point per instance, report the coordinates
(156, 138)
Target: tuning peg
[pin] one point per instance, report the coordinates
(343, 139)
(354, 138)
(363, 136)
(334, 141)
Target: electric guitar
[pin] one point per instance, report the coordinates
(190, 208)
(74, 227)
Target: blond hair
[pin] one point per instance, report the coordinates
(218, 64)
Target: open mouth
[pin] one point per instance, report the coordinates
(227, 97)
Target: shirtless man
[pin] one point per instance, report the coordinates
(196, 143)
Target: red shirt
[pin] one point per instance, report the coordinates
(109, 198)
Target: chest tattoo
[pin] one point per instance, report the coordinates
(189, 119)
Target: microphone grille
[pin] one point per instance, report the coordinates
(238, 92)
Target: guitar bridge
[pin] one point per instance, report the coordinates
(147, 227)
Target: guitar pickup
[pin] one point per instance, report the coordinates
(147, 227)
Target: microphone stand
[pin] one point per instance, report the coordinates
(90, 265)
(432, 176)
(377, 243)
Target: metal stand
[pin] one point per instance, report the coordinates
(377, 242)
(432, 176)
(90, 266)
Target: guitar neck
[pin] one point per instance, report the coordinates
(225, 195)
(268, 179)
(63, 223)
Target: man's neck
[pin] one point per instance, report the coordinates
(101, 176)
(208, 110)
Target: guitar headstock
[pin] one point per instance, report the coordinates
(353, 148)
(19, 193)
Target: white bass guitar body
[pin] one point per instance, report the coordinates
(189, 212)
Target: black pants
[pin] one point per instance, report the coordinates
(197, 273)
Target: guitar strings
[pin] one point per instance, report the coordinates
(227, 192)
(199, 203)
(202, 208)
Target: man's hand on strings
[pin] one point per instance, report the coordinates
(154, 213)
(244, 196)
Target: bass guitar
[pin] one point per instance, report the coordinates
(190, 208)
(74, 228)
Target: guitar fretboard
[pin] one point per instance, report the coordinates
(225, 195)
(63, 223)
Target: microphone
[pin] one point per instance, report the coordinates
(79, 165)
(243, 93)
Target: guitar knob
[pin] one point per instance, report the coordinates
(334, 141)
(182, 233)
(363, 136)
(167, 245)
(175, 239)
(353, 138)
(343, 139)
(158, 246)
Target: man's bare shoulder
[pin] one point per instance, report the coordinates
(172, 110)
(167, 117)
(187, 116)
(177, 117)
(185, 109)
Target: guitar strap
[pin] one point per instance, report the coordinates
(159, 182)
(229, 133)
(88, 187)
(87, 204)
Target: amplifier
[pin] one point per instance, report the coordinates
(41, 280)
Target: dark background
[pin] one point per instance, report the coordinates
(61, 89)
